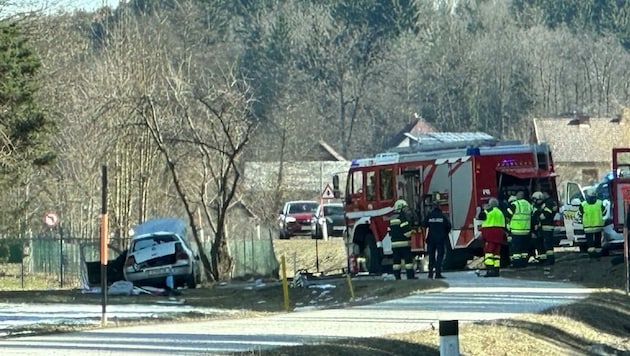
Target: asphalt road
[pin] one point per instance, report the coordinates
(467, 299)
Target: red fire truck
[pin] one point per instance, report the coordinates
(620, 202)
(620, 192)
(460, 175)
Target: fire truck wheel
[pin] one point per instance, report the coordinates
(371, 254)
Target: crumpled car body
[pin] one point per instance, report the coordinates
(114, 268)
(159, 252)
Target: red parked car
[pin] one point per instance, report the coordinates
(295, 218)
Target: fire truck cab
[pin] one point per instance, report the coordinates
(620, 192)
(461, 175)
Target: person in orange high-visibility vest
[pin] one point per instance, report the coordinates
(493, 234)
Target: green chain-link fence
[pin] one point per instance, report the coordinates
(61, 259)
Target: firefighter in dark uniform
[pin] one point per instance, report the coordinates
(520, 215)
(544, 217)
(400, 233)
(438, 226)
(592, 211)
(537, 247)
(493, 234)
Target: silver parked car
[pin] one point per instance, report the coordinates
(331, 214)
(159, 250)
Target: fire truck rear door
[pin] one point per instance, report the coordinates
(572, 191)
(410, 188)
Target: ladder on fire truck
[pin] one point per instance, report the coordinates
(458, 144)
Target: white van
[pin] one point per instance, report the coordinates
(574, 196)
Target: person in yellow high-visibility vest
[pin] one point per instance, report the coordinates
(493, 234)
(520, 215)
(592, 211)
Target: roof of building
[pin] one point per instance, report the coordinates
(331, 150)
(415, 128)
(582, 138)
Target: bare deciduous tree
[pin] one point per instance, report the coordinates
(214, 118)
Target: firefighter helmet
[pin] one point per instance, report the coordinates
(399, 204)
(538, 196)
(512, 198)
(591, 193)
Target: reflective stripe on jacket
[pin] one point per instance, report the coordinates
(399, 230)
(546, 214)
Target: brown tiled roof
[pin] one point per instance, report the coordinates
(592, 140)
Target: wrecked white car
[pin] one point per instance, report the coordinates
(159, 252)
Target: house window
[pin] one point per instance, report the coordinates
(387, 187)
(589, 176)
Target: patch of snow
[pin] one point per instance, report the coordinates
(307, 308)
(20, 315)
(322, 286)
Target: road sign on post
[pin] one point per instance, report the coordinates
(51, 219)
(328, 192)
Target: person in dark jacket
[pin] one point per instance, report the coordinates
(537, 246)
(438, 227)
(544, 217)
(400, 233)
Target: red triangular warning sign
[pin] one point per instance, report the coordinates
(328, 192)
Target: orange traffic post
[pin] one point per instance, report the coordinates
(285, 284)
(104, 243)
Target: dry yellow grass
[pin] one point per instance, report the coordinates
(305, 254)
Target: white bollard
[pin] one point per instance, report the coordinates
(325, 230)
(449, 338)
